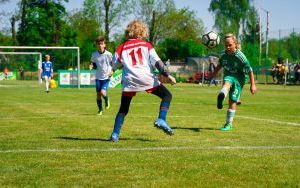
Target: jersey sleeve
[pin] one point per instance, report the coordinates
(153, 56)
(116, 62)
(246, 64)
(110, 58)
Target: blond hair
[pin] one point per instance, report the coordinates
(231, 35)
(136, 29)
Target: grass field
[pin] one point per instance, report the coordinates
(56, 139)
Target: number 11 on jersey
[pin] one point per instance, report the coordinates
(137, 53)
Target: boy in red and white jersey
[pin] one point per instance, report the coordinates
(138, 59)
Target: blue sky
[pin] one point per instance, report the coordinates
(283, 13)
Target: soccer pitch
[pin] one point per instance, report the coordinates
(56, 139)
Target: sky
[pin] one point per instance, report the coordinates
(283, 14)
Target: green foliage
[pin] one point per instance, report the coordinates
(176, 49)
(42, 24)
(230, 14)
(287, 47)
(5, 40)
(251, 50)
(86, 29)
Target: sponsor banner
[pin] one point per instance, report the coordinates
(115, 80)
(85, 78)
(68, 78)
(64, 78)
(8, 76)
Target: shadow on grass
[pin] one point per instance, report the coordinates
(195, 129)
(102, 139)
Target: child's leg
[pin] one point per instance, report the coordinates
(104, 89)
(119, 120)
(163, 93)
(234, 96)
(223, 93)
(98, 99)
(47, 83)
(231, 112)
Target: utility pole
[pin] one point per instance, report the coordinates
(267, 35)
(267, 31)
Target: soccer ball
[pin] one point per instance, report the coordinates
(211, 39)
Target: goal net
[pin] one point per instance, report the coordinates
(29, 58)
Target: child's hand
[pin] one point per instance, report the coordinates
(253, 88)
(111, 73)
(172, 79)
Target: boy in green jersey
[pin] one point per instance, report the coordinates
(236, 67)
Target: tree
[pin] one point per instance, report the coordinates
(107, 13)
(42, 23)
(165, 21)
(152, 12)
(230, 15)
(86, 29)
(250, 38)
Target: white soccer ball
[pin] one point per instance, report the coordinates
(211, 39)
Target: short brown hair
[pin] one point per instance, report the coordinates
(136, 29)
(100, 39)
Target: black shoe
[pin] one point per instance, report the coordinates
(220, 100)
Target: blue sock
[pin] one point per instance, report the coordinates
(99, 104)
(163, 110)
(118, 123)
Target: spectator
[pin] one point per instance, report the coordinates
(21, 70)
(211, 68)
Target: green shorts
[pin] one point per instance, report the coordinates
(235, 88)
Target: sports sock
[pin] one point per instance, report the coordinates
(163, 110)
(118, 123)
(230, 115)
(99, 104)
(225, 91)
(105, 99)
(47, 83)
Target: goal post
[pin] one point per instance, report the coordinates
(51, 47)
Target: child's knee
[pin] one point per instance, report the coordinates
(103, 93)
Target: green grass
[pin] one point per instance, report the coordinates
(56, 139)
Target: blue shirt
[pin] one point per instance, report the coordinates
(47, 68)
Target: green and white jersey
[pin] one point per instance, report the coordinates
(236, 65)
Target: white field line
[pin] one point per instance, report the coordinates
(270, 120)
(143, 116)
(149, 149)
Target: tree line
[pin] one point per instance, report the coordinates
(175, 33)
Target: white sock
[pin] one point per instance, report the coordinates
(230, 115)
(224, 90)
(47, 83)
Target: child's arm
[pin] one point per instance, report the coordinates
(164, 71)
(252, 83)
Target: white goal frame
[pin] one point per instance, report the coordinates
(52, 47)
